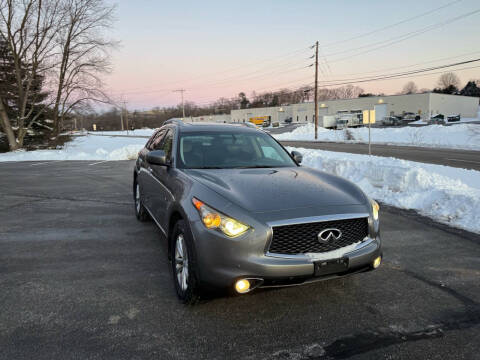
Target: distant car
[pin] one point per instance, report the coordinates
(288, 120)
(409, 117)
(438, 119)
(238, 211)
(391, 120)
(453, 118)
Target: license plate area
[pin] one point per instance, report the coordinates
(327, 267)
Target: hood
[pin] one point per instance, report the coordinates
(265, 190)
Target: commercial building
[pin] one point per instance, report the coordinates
(275, 114)
(374, 107)
(222, 118)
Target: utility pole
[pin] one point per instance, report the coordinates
(369, 137)
(183, 105)
(121, 118)
(316, 90)
(126, 113)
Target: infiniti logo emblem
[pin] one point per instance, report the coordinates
(329, 234)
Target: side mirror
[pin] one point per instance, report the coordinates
(297, 156)
(157, 157)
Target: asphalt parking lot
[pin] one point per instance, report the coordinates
(80, 278)
(464, 159)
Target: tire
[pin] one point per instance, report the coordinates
(183, 264)
(140, 212)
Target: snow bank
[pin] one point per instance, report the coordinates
(88, 147)
(461, 136)
(448, 195)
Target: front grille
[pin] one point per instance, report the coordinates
(303, 238)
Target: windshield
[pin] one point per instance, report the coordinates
(222, 150)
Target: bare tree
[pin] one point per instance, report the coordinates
(62, 43)
(409, 88)
(348, 92)
(28, 27)
(84, 56)
(448, 79)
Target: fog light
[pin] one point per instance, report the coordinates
(242, 286)
(376, 262)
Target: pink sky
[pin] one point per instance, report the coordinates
(214, 49)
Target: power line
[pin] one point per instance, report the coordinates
(411, 65)
(401, 38)
(392, 76)
(385, 43)
(419, 72)
(274, 59)
(228, 80)
(390, 26)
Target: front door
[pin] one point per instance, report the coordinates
(162, 197)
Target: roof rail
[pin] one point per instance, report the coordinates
(173, 121)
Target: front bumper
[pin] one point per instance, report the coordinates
(222, 261)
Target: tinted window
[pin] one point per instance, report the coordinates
(231, 150)
(166, 144)
(156, 142)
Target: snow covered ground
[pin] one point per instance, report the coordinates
(461, 136)
(448, 195)
(88, 147)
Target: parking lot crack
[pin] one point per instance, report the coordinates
(370, 340)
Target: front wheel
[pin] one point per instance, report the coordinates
(183, 264)
(140, 211)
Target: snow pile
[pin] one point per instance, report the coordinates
(448, 195)
(88, 147)
(461, 136)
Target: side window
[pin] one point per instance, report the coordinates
(167, 144)
(156, 143)
(152, 138)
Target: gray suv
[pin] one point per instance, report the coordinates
(238, 211)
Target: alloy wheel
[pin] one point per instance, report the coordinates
(181, 262)
(137, 198)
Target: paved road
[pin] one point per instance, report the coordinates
(457, 158)
(80, 278)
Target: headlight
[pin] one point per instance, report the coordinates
(375, 209)
(213, 219)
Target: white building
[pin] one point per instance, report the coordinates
(223, 118)
(377, 107)
(275, 114)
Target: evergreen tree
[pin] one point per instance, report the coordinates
(8, 84)
(9, 91)
(471, 89)
(244, 102)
